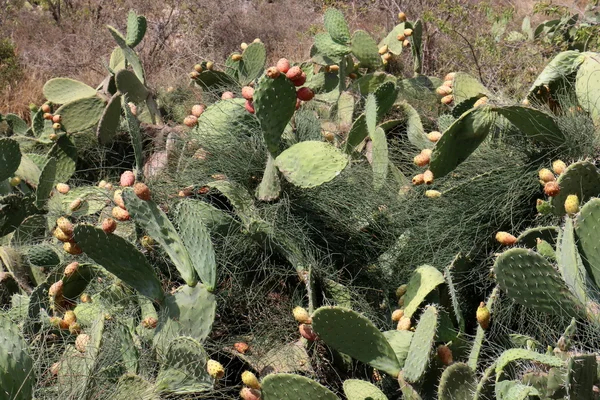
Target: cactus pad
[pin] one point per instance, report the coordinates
(129, 54)
(128, 84)
(580, 178)
(458, 382)
(155, 222)
(327, 50)
(515, 390)
(358, 133)
(379, 160)
(587, 86)
(65, 90)
(43, 255)
(421, 346)
(517, 355)
(535, 124)
(311, 163)
(210, 80)
(400, 342)
(530, 236)
(294, 387)
(355, 389)
(46, 182)
(17, 378)
(133, 126)
(464, 87)
(586, 226)
(385, 96)
(65, 153)
(353, 334)
(120, 258)
(81, 114)
(364, 48)
(581, 376)
(252, 64)
(109, 122)
(270, 185)
(136, 29)
(10, 158)
(336, 26)
(424, 280)
(569, 261)
(391, 40)
(132, 386)
(558, 70)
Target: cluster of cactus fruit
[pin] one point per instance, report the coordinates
(112, 234)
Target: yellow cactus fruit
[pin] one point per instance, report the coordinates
(483, 316)
(210, 65)
(401, 37)
(401, 301)
(525, 102)
(551, 188)
(383, 49)
(449, 83)
(444, 90)
(404, 324)
(408, 32)
(215, 369)
(401, 291)
(334, 68)
(70, 317)
(85, 298)
(55, 368)
(447, 99)
(244, 45)
(72, 248)
(434, 136)
(546, 175)
(406, 43)
(418, 179)
(482, 101)
(572, 204)
(198, 68)
(63, 188)
(74, 328)
(65, 225)
(257, 40)
(386, 56)
(75, 204)
(118, 198)
(120, 214)
(444, 354)
(402, 17)
(397, 315)
(421, 160)
(433, 194)
(559, 167)
(81, 342)
(236, 57)
(428, 177)
(56, 290)
(505, 238)
(250, 380)
(14, 181)
(102, 184)
(450, 76)
(301, 315)
(150, 322)
(71, 268)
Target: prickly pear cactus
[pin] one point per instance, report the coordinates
(458, 382)
(355, 389)
(586, 226)
(464, 87)
(81, 114)
(364, 48)
(65, 90)
(252, 63)
(131, 386)
(560, 69)
(136, 28)
(17, 377)
(424, 280)
(569, 261)
(516, 355)
(10, 158)
(290, 386)
(580, 178)
(421, 346)
(534, 124)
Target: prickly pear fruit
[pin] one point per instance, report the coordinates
(118, 198)
(197, 110)
(383, 49)
(401, 37)
(109, 225)
(301, 315)
(14, 181)
(236, 57)
(127, 178)
(433, 194)
(386, 57)
(483, 316)
(62, 324)
(150, 322)
(559, 167)
(63, 188)
(401, 301)
(482, 101)
(551, 188)
(449, 83)
(305, 94)
(402, 17)
(82, 342)
(71, 268)
(444, 354)
(420, 160)
(48, 116)
(57, 120)
(307, 332)
(293, 73)
(241, 347)
(543, 207)
(65, 225)
(244, 45)
(283, 65)
(72, 248)
(75, 204)
(408, 32)
(403, 324)
(85, 298)
(334, 68)
(406, 43)
(142, 191)
(120, 214)
(257, 40)
(572, 204)
(299, 81)
(55, 368)
(210, 65)
(447, 99)
(56, 289)
(248, 92)
(190, 121)
(215, 369)
(249, 106)
(250, 380)
(108, 186)
(102, 184)
(46, 108)
(450, 76)
(428, 177)
(546, 175)
(74, 328)
(418, 179)
(273, 72)
(401, 291)
(434, 136)
(227, 96)
(505, 238)
(70, 317)
(249, 394)
(397, 315)
(198, 68)
(443, 90)
(194, 74)
(60, 235)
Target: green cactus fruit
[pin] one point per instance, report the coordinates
(155, 222)
(354, 335)
(290, 386)
(364, 48)
(464, 87)
(380, 159)
(131, 386)
(311, 163)
(120, 258)
(81, 114)
(586, 227)
(586, 86)
(128, 53)
(65, 153)
(110, 119)
(136, 29)
(10, 158)
(581, 179)
(355, 389)
(518, 355)
(270, 185)
(529, 237)
(65, 90)
(421, 346)
(183, 370)
(46, 182)
(17, 376)
(563, 66)
(400, 342)
(458, 382)
(534, 124)
(569, 261)
(424, 280)
(274, 104)
(460, 140)
(581, 375)
(43, 256)
(544, 248)
(336, 26)
(253, 62)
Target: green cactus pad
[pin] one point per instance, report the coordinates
(581, 376)
(133, 126)
(155, 222)
(380, 160)
(400, 342)
(485, 386)
(587, 84)
(558, 70)
(530, 280)
(586, 226)
(408, 391)
(354, 335)
(17, 376)
(184, 368)
(517, 355)
(368, 83)
(16, 124)
(120, 258)
(371, 113)
(311, 163)
(293, 387)
(385, 95)
(515, 390)
(416, 46)
(275, 103)
(81, 114)
(13, 210)
(29, 170)
(46, 182)
(464, 87)
(569, 261)
(31, 230)
(414, 127)
(240, 199)
(421, 346)
(210, 80)
(580, 178)
(460, 266)
(214, 219)
(136, 29)
(458, 382)
(391, 40)
(252, 64)
(530, 236)
(129, 54)
(224, 117)
(424, 280)
(332, 51)
(43, 255)
(65, 90)
(132, 386)
(364, 48)
(65, 153)
(336, 26)
(128, 84)
(109, 122)
(10, 157)
(38, 123)
(535, 124)
(196, 238)
(460, 140)
(129, 353)
(464, 106)
(358, 133)
(270, 185)
(345, 110)
(355, 389)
